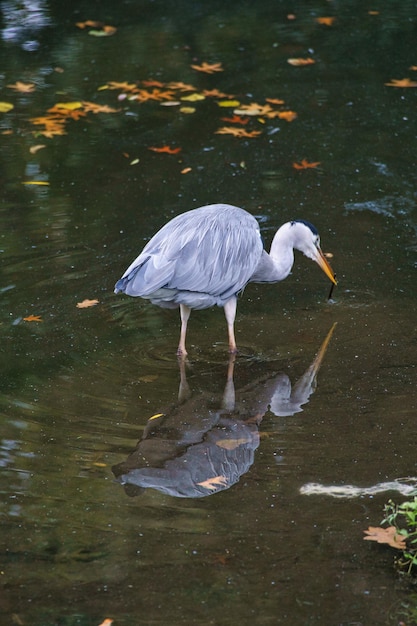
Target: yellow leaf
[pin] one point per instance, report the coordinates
(193, 97)
(5, 107)
(155, 417)
(86, 303)
(187, 110)
(231, 444)
(41, 183)
(68, 106)
(228, 103)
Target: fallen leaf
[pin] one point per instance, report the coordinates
(193, 97)
(166, 149)
(41, 183)
(22, 87)
(153, 83)
(402, 82)
(388, 535)
(215, 93)
(253, 109)
(187, 110)
(92, 107)
(213, 483)
(134, 162)
(89, 23)
(107, 622)
(231, 444)
(274, 101)
(155, 417)
(237, 132)
(229, 103)
(327, 21)
(301, 61)
(156, 94)
(305, 165)
(35, 149)
(33, 318)
(129, 87)
(86, 303)
(413, 68)
(5, 107)
(66, 106)
(186, 170)
(178, 86)
(288, 116)
(208, 68)
(236, 119)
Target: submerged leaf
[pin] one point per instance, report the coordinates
(213, 483)
(5, 107)
(86, 303)
(33, 318)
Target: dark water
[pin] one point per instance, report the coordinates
(79, 386)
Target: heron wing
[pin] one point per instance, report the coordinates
(213, 250)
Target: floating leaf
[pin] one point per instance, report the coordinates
(237, 132)
(35, 149)
(301, 61)
(193, 97)
(388, 535)
(66, 106)
(86, 303)
(304, 165)
(229, 103)
(155, 417)
(41, 183)
(326, 21)
(166, 149)
(402, 82)
(187, 110)
(22, 87)
(149, 378)
(33, 318)
(186, 170)
(274, 101)
(5, 107)
(107, 622)
(253, 109)
(213, 483)
(208, 68)
(236, 119)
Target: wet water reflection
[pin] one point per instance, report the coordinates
(198, 449)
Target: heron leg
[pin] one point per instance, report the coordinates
(230, 313)
(185, 312)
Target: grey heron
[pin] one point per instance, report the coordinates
(206, 256)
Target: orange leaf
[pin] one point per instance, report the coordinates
(403, 82)
(388, 535)
(253, 109)
(305, 165)
(274, 101)
(86, 303)
(215, 93)
(327, 21)
(289, 116)
(213, 483)
(236, 119)
(166, 149)
(237, 132)
(107, 622)
(208, 68)
(186, 170)
(301, 61)
(22, 87)
(33, 318)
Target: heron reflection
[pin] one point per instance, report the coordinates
(197, 448)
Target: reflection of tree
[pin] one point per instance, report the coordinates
(201, 447)
(23, 21)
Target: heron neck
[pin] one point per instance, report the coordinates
(282, 253)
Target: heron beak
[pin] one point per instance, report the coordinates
(325, 266)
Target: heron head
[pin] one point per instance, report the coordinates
(307, 241)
